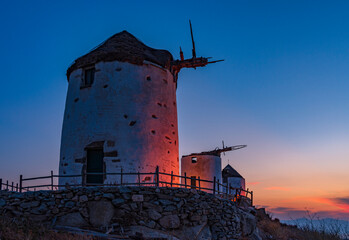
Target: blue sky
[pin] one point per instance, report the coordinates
(282, 89)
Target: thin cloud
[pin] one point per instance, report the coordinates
(287, 212)
(340, 211)
(282, 209)
(341, 200)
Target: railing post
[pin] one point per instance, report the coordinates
(0, 184)
(199, 183)
(20, 183)
(12, 187)
(185, 179)
(171, 177)
(51, 180)
(214, 185)
(251, 198)
(218, 185)
(7, 185)
(157, 176)
(121, 177)
(139, 179)
(16, 187)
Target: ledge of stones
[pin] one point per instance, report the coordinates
(183, 213)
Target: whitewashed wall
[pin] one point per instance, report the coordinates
(237, 182)
(122, 94)
(207, 167)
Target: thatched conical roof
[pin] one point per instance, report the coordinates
(122, 47)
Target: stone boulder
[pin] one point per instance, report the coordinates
(30, 204)
(101, 213)
(154, 215)
(2, 203)
(72, 220)
(170, 222)
(248, 223)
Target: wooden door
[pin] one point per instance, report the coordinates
(193, 181)
(95, 165)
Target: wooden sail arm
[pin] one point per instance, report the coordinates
(177, 65)
(227, 149)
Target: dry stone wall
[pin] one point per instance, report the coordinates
(181, 213)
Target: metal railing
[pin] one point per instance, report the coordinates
(217, 188)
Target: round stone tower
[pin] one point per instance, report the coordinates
(120, 114)
(206, 166)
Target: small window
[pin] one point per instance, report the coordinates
(89, 77)
(194, 160)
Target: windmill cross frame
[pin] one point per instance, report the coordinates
(193, 62)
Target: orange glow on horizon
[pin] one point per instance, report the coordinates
(278, 188)
(252, 183)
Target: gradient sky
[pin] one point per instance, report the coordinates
(282, 89)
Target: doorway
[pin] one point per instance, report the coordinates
(193, 182)
(94, 165)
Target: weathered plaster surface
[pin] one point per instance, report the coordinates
(237, 182)
(131, 110)
(207, 167)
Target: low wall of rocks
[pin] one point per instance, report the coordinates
(153, 212)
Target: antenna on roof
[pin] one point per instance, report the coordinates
(193, 62)
(223, 148)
